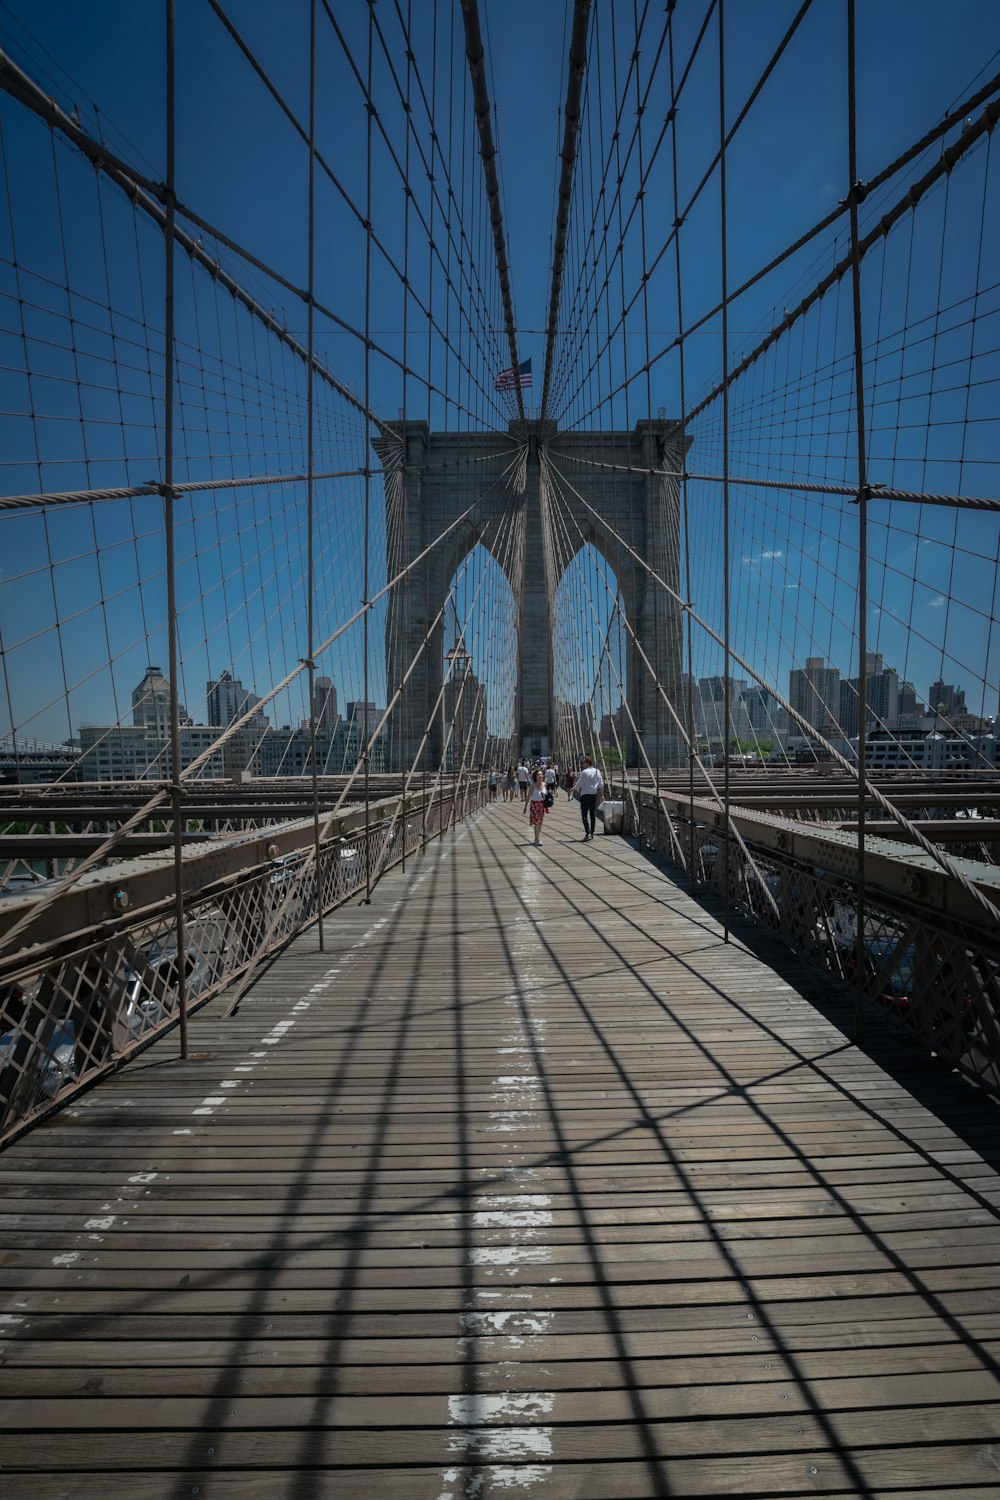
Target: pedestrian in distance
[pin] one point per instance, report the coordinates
(537, 805)
(569, 781)
(493, 784)
(589, 789)
(523, 777)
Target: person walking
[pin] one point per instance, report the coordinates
(493, 784)
(523, 777)
(569, 781)
(551, 776)
(536, 805)
(589, 788)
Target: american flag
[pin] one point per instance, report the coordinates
(510, 379)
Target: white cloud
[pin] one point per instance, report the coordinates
(936, 603)
(763, 557)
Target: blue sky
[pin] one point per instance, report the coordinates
(87, 586)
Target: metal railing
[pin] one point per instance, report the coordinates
(86, 994)
(929, 961)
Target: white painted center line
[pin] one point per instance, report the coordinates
(501, 1430)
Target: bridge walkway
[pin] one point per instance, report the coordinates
(528, 1187)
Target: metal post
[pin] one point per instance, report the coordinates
(726, 693)
(682, 481)
(368, 469)
(169, 500)
(310, 471)
(863, 493)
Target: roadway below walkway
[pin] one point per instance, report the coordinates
(529, 1187)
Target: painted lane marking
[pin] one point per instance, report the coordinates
(484, 1427)
(485, 1410)
(497, 1476)
(511, 1443)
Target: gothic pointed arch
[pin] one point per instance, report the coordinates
(613, 484)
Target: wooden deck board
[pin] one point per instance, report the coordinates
(528, 1186)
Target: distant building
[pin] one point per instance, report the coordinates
(111, 752)
(765, 715)
(614, 727)
(971, 724)
(130, 752)
(365, 715)
(710, 708)
(903, 749)
(151, 703)
(814, 692)
(585, 716)
(908, 702)
(288, 752)
(325, 705)
(881, 697)
(464, 710)
(32, 764)
(946, 699)
(227, 700)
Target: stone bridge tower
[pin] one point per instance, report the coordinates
(432, 478)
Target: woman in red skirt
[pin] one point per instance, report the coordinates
(535, 808)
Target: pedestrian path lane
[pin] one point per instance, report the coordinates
(528, 1188)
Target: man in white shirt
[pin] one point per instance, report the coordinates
(551, 775)
(589, 787)
(522, 780)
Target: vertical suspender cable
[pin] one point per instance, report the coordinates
(682, 482)
(403, 521)
(476, 54)
(368, 465)
(653, 507)
(310, 470)
(428, 385)
(571, 126)
(863, 493)
(726, 689)
(169, 500)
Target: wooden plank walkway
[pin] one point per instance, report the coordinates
(529, 1187)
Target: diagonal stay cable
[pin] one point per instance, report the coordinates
(939, 857)
(189, 771)
(710, 785)
(571, 113)
(476, 54)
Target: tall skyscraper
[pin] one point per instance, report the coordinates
(814, 692)
(325, 705)
(881, 695)
(363, 715)
(765, 715)
(908, 699)
(227, 700)
(946, 699)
